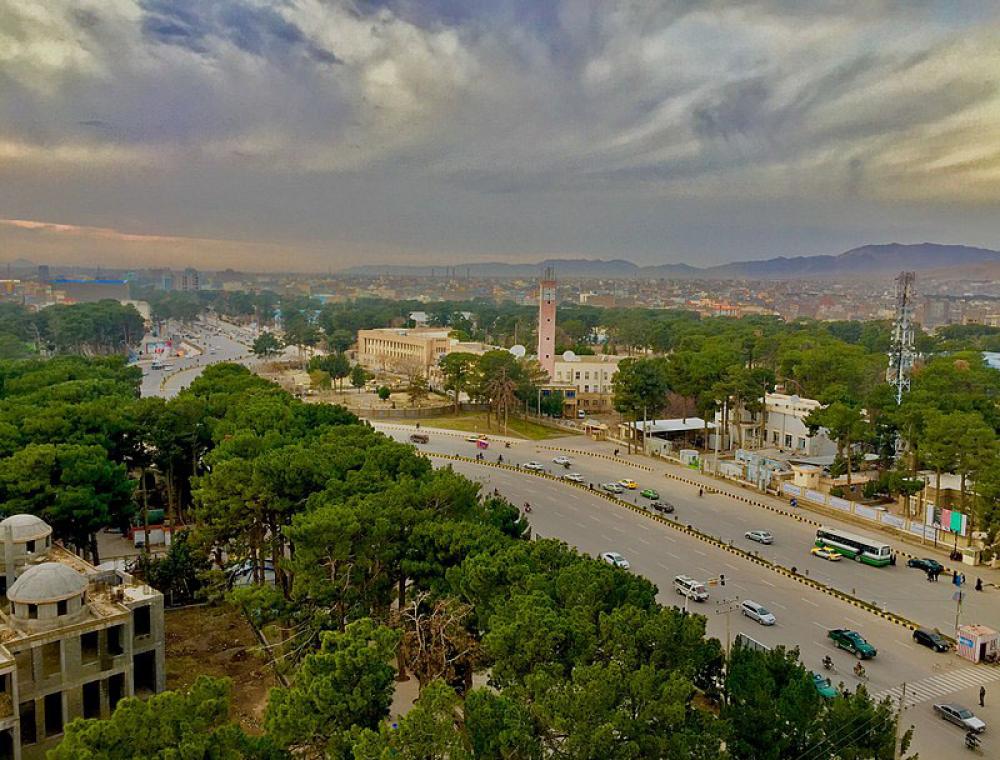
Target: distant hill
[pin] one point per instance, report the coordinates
(865, 261)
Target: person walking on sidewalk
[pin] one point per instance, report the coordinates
(982, 696)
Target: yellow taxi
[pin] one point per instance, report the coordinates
(629, 484)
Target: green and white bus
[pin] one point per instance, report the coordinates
(856, 547)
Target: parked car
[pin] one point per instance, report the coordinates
(825, 553)
(760, 536)
(535, 466)
(419, 438)
(663, 507)
(573, 476)
(562, 460)
(853, 642)
(614, 558)
(931, 639)
(960, 716)
(689, 587)
(823, 686)
(612, 487)
(926, 564)
(757, 612)
(627, 483)
(649, 493)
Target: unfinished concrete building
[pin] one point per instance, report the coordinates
(74, 640)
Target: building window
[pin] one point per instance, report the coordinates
(774, 436)
(53, 714)
(29, 547)
(32, 612)
(788, 440)
(29, 732)
(143, 622)
(51, 658)
(61, 607)
(802, 443)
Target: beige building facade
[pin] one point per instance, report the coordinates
(592, 376)
(74, 640)
(389, 349)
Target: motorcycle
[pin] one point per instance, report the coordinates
(827, 664)
(527, 508)
(972, 740)
(566, 465)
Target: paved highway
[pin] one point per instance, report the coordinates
(804, 614)
(218, 342)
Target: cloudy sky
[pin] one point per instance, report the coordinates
(316, 134)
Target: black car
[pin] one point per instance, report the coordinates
(926, 564)
(663, 507)
(931, 639)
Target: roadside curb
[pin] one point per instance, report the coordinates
(704, 537)
(609, 457)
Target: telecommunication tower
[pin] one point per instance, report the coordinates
(901, 351)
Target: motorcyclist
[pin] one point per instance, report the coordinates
(527, 507)
(859, 670)
(828, 663)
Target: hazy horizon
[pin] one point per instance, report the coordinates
(313, 136)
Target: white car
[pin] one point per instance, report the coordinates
(573, 476)
(536, 466)
(757, 612)
(760, 536)
(562, 460)
(612, 487)
(614, 558)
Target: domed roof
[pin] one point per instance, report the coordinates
(24, 528)
(47, 582)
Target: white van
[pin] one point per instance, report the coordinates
(690, 588)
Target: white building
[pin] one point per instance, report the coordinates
(783, 427)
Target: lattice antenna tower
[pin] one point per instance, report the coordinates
(901, 351)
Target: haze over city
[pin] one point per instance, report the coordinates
(315, 136)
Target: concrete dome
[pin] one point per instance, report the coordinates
(47, 582)
(25, 528)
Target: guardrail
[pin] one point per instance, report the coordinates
(870, 607)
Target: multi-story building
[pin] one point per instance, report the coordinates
(397, 349)
(88, 291)
(74, 640)
(592, 377)
(783, 427)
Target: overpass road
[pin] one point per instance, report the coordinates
(659, 552)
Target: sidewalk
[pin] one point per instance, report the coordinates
(804, 511)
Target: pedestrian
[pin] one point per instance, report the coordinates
(982, 696)
(979, 584)
(930, 576)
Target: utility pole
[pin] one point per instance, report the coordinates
(897, 747)
(727, 607)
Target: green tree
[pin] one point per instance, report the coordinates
(855, 727)
(266, 345)
(939, 447)
(417, 389)
(170, 725)
(552, 404)
(847, 426)
(358, 377)
(458, 369)
(384, 392)
(431, 729)
(348, 682)
(772, 706)
(640, 388)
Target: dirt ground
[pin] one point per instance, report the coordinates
(218, 641)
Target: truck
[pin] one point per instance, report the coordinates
(853, 642)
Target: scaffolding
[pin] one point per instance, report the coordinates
(901, 350)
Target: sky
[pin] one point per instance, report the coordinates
(314, 135)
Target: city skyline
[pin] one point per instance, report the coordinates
(313, 136)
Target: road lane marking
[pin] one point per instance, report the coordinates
(768, 583)
(807, 601)
(642, 540)
(729, 564)
(779, 605)
(819, 625)
(698, 551)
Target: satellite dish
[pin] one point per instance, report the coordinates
(519, 351)
(569, 356)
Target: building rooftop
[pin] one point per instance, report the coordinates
(47, 582)
(677, 425)
(24, 528)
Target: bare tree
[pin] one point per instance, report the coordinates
(437, 642)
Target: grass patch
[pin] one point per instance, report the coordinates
(475, 422)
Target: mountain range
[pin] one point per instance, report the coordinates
(866, 261)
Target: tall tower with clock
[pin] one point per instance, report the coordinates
(547, 322)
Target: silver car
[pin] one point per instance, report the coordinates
(536, 466)
(562, 460)
(757, 612)
(960, 716)
(573, 476)
(612, 487)
(760, 536)
(614, 558)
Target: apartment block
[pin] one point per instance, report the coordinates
(74, 640)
